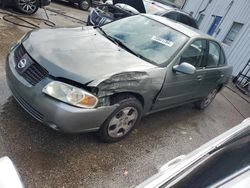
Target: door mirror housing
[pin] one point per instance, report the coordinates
(184, 68)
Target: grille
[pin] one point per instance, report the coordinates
(19, 53)
(35, 72)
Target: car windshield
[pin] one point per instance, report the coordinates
(146, 38)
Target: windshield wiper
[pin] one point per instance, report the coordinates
(106, 35)
(121, 44)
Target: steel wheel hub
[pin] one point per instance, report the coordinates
(122, 122)
(210, 97)
(85, 4)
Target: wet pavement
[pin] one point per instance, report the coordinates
(46, 158)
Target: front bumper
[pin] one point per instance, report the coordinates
(55, 114)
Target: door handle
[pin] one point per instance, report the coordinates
(199, 77)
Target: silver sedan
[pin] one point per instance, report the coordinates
(106, 78)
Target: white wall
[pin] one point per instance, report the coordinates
(238, 54)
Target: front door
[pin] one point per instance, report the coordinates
(178, 87)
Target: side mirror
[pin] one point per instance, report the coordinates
(184, 68)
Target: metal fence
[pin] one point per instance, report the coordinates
(242, 80)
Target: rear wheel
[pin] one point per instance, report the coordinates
(122, 121)
(207, 100)
(84, 4)
(26, 6)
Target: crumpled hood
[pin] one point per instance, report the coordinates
(80, 54)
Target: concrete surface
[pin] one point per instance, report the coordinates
(46, 158)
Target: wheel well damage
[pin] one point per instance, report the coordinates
(142, 85)
(123, 82)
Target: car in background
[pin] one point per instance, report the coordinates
(25, 6)
(222, 162)
(106, 78)
(84, 4)
(118, 9)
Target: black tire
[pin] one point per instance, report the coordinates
(124, 103)
(27, 7)
(204, 103)
(84, 4)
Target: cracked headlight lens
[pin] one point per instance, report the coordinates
(70, 94)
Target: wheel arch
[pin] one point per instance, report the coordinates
(126, 95)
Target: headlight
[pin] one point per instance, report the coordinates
(70, 94)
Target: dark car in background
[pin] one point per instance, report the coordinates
(118, 9)
(25, 6)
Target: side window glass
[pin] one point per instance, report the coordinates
(172, 15)
(195, 53)
(222, 61)
(213, 55)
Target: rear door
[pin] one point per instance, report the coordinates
(179, 88)
(214, 67)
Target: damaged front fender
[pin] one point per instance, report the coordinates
(147, 84)
(122, 82)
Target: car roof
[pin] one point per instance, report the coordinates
(185, 29)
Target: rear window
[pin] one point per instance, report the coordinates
(188, 21)
(172, 15)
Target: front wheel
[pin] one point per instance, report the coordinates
(122, 121)
(207, 100)
(84, 4)
(26, 6)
